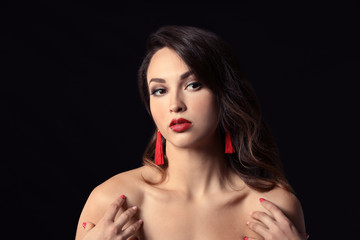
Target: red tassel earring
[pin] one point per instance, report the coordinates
(228, 144)
(159, 154)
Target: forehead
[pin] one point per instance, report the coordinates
(166, 63)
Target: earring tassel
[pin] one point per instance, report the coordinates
(159, 154)
(228, 144)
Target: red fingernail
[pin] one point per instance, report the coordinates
(122, 196)
(246, 238)
(261, 199)
(84, 224)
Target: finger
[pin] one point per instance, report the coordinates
(132, 229)
(250, 238)
(114, 208)
(133, 238)
(258, 228)
(264, 218)
(88, 226)
(126, 216)
(273, 209)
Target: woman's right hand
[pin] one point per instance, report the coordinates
(109, 228)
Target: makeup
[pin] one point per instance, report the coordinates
(180, 124)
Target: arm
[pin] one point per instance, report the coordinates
(274, 224)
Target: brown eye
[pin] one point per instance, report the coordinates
(158, 92)
(194, 86)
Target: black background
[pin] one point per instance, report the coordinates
(72, 116)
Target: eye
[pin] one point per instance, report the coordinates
(194, 86)
(158, 92)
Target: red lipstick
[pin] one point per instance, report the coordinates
(180, 124)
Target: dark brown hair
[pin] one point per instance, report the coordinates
(212, 61)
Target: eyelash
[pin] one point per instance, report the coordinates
(198, 86)
(156, 91)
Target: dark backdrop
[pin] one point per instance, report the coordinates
(72, 116)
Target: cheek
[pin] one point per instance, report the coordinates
(207, 108)
(157, 111)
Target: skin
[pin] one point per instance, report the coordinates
(195, 201)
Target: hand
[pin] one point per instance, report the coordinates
(275, 226)
(110, 229)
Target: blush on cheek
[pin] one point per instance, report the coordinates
(158, 116)
(206, 105)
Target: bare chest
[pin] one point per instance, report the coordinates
(192, 221)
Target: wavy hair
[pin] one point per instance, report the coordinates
(257, 160)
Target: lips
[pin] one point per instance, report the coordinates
(180, 124)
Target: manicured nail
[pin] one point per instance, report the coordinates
(246, 238)
(261, 199)
(134, 207)
(250, 213)
(84, 224)
(122, 196)
(247, 223)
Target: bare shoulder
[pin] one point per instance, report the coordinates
(288, 203)
(285, 200)
(130, 183)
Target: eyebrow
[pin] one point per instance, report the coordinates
(182, 77)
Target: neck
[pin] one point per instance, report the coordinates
(196, 172)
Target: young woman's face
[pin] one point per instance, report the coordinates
(183, 108)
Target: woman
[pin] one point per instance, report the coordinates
(212, 169)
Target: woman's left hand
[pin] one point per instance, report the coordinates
(275, 226)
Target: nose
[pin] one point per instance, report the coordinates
(176, 109)
(177, 104)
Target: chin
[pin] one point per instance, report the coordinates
(192, 141)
